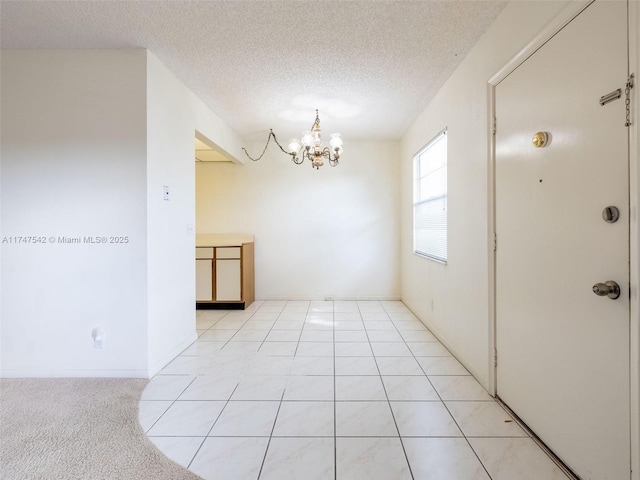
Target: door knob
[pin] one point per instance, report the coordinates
(609, 288)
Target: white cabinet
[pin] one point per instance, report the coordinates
(224, 271)
(204, 280)
(204, 274)
(228, 280)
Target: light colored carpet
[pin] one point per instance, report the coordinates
(77, 428)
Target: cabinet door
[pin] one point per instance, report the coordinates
(228, 280)
(204, 280)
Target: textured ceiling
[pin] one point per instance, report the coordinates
(370, 67)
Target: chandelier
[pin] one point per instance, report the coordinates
(309, 147)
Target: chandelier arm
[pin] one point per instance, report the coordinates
(278, 143)
(294, 155)
(333, 161)
(305, 155)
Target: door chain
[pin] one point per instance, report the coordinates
(627, 101)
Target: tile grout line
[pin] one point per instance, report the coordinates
(375, 359)
(271, 329)
(295, 353)
(184, 390)
(212, 425)
(394, 317)
(205, 331)
(226, 342)
(233, 391)
(240, 328)
(538, 441)
(284, 390)
(166, 409)
(275, 420)
(335, 406)
(444, 404)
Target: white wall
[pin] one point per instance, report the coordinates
(459, 291)
(89, 139)
(174, 114)
(170, 224)
(73, 164)
(332, 232)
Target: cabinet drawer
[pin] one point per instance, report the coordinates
(228, 252)
(204, 252)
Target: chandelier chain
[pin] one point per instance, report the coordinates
(271, 134)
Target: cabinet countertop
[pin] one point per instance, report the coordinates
(223, 240)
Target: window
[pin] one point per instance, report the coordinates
(430, 199)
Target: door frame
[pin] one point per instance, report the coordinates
(573, 9)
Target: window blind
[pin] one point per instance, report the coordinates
(430, 199)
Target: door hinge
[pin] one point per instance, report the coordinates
(493, 126)
(627, 99)
(495, 241)
(495, 357)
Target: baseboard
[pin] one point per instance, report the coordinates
(42, 373)
(328, 298)
(124, 373)
(455, 352)
(171, 355)
(363, 298)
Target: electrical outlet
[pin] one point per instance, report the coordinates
(98, 338)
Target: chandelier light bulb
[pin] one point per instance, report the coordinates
(336, 141)
(294, 145)
(307, 139)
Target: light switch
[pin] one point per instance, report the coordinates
(165, 189)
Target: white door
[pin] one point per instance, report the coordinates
(562, 351)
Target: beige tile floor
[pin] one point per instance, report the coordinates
(299, 390)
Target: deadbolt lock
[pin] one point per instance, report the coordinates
(609, 289)
(610, 214)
